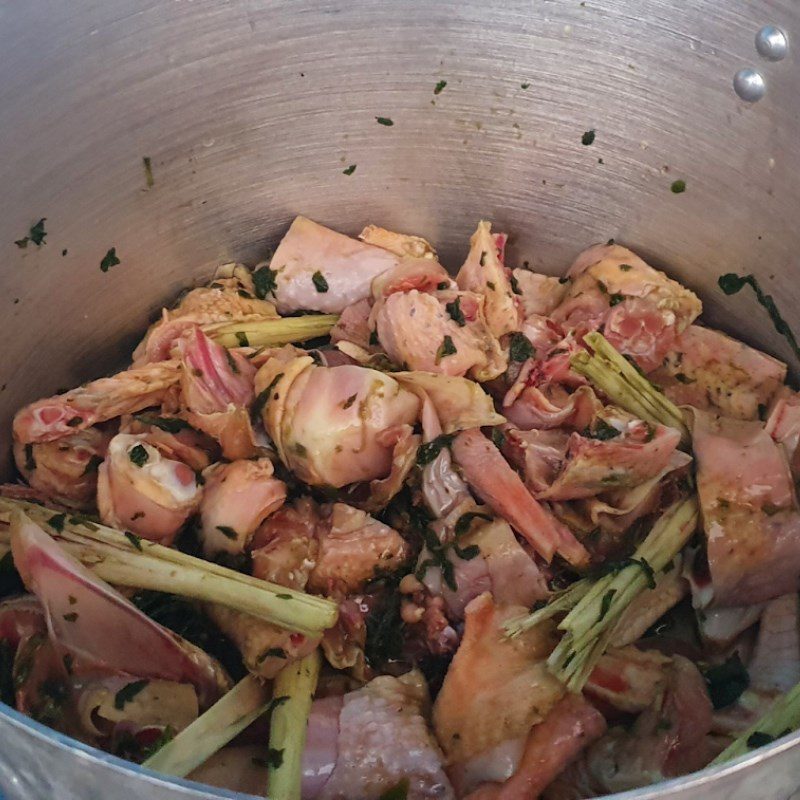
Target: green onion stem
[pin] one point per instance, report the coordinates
(782, 717)
(272, 332)
(589, 625)
(141, 564)
(297, 682)
(211, 731)
(558, 604)
(619, 380)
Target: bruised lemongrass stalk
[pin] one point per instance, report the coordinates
(126, 560)
(272, 332)
(558, 604)
(212, 730)
(297, 682)
(588, 627)
(782, 717)
(619, 380)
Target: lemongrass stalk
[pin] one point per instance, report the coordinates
(297, 682)
(127, 560)
(619, 380)
(558, 604)
(782, 717)
(589, 625)
(212, 730)
(272, 332)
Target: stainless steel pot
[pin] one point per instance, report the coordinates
(250, 111)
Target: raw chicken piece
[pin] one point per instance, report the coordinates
(401, 244)
(346, 265)
(141, 491)
(326, 421)
(493, 480)
(783, 425)
(641, 310)
(627, 679)
(541, 294)
(227, 299)
(404, 456)
(417, 331)
(353, 325)
(551, 407)
(353, 548)
(334, 550)
(637, 453)
(64, 471)
(540, 454)
(459, 403)
(382, 740)
(217, 389)
(265, 648)
(484, 274)
(748, 506)
(20, 618)
(237, 498)
(775, 666)
(668, 739)
(496, 688)
(422, 274)
(572, 725)
(124, 393)
(714, 372)
(98, 627)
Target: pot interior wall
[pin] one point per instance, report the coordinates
(250, 111)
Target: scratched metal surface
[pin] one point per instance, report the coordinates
(251, 109)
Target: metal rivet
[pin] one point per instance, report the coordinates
(749, 84)
(771, 43)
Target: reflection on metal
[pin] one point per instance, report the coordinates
(771, 43)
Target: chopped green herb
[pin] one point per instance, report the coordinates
(283, 596)
(465, 522)
(603, 431)
(350, 400)
(762, 411)
(166, 424)
(428, 452)
(71, 617)
(148, 172)
(92, 464)
(56, 522)
(241, 338)
(227, 532)
(128, 692)
(623, 267)
(300, 449)
(498, 437)
(234, 367)
(384, 121)
(68, 661)
(614, 299)
(439, 86)
(442, 286)
(135, 540)
(588, 137)
(678, 187)
(681, 378)
(732, 283)
(350, 170)
(520, 348)
(490, 285)
(264, 282)
(564, 279)
(109, 260)
(466, 553)
(36, 234)
(320, 284)
(455, 312)
(727, 681)
(759, 739)
(602, 287)
(167, 735)
(30, 461)
(273, 759)
(482, 260)
(647, 569)
(515, 284)
(524, 86)
(446, 348)
(605, 604)
(138, 455)
(373, 338)
(64, 251)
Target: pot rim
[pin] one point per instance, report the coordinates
(115, 763)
